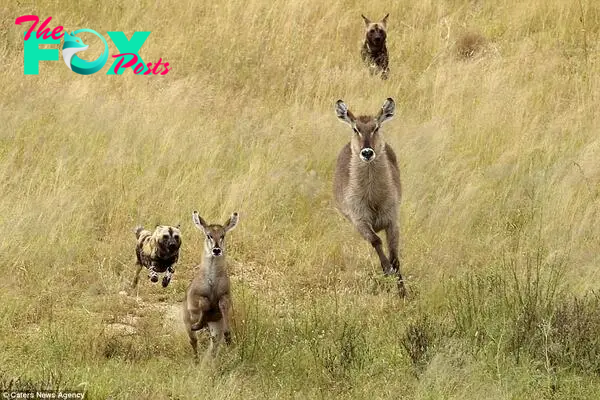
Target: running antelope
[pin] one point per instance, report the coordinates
(367, 183)
(207, 300)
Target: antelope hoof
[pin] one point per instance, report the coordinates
(389, 270)
(395, 266)
(401, 288)
(196, 326)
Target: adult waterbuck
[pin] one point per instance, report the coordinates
(367, 183)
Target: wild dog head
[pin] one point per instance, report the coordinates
(167, 239)
(367, 141)
(375, 34)
(214, 242)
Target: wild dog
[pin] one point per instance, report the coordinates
(207, 300)
(374, 50)
(367, 188)
(158, 251)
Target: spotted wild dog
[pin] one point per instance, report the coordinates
(374, 50)
(207, 300)
(367, 188)
(158, 251)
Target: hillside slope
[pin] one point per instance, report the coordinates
(497, 135)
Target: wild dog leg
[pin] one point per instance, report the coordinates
(136, 276)
(168, 276)
(152, 274)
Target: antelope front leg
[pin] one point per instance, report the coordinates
(224, 307)
(393, 236)
(367, 232)
(216, 337)
(193, 341)
(196, 308)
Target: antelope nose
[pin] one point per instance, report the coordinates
(367, 153)
(217, 251)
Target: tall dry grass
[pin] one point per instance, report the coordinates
(500, 162)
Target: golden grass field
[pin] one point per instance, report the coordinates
(500, 162)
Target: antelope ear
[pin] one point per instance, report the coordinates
(232, 222)
(367, 20)
(387, 111)
(199, 222)
(342, 112)
(384, 20)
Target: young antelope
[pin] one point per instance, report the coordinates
(207, 300)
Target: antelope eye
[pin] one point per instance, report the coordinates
(222, 237)
(356, 131)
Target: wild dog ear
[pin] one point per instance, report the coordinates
(178, 229)
(387, 111)
(384, 20)
(367, 20)
(231, 222)
(342, 112)
(137, 230)
(199, 222)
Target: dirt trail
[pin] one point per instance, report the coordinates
(251, 275)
